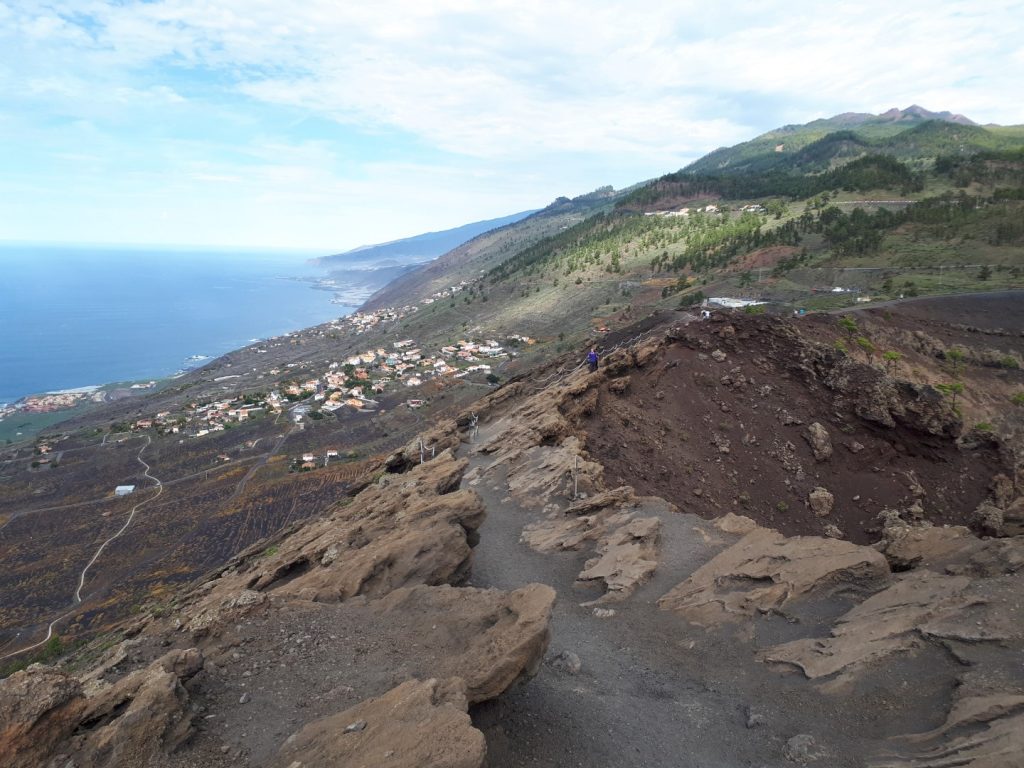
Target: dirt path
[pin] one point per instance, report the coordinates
(99, 551)
(653, 690)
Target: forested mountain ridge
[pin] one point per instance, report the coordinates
(910, 134)
(884, 218)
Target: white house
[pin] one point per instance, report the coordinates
(124, 490)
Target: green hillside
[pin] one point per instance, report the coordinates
(913, 134)
(936, 207)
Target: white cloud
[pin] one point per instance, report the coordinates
(505, 105)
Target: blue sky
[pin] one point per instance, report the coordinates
(325, 124)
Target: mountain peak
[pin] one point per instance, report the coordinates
(916, 111)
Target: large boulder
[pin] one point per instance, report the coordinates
(491, 638)
(39, 709)
(44, 712)
(879, 398)
(765, 571)
(820, 441)
(419, 723)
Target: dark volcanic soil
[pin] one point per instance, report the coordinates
(729, 435)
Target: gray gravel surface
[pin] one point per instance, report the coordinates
(653, 690)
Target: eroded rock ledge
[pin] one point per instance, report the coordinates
(380, 575)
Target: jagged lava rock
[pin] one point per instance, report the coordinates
(821, 501)
(39, 709)
(981, 731)
(625, 544)
(919, 607)
(820, 441)
(764, 571)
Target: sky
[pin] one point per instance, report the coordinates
(327, 124)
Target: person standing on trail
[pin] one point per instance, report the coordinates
(592, 360)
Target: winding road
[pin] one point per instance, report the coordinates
(99, 551)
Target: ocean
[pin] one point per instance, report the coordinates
(78, 316)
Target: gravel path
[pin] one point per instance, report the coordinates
(652, 690)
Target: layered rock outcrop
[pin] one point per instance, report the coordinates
(765, 571)
(384, 565)
(617, 527)
(45, 715)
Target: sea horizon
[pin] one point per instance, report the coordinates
(83, 315)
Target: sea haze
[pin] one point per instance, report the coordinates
(78, 316)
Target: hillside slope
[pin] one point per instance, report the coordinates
(275, 433)
(470, 259)
(912, 132)
(418, 248)
(417, 622)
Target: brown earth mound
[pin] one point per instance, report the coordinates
(747, 414)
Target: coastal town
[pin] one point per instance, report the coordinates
(351, 382)
(356, 382)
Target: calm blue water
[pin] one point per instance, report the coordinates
(77, 316)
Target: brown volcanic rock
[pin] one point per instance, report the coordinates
(298, 661)
(981, 731)
(626, 557)
(39, 709)
(144, 713)
(407, 529)
(877, 397)
(384, 549)
(920, 607)
(625, 545)
(764, 571)
(537, 474)
(492, 638)
(126, 723)
(953, 549)
(419, 723)
(820, 441)
(537, 440)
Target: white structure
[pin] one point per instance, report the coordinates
(729, 303)
(124, 490)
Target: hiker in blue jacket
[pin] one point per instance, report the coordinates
(592, 360)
